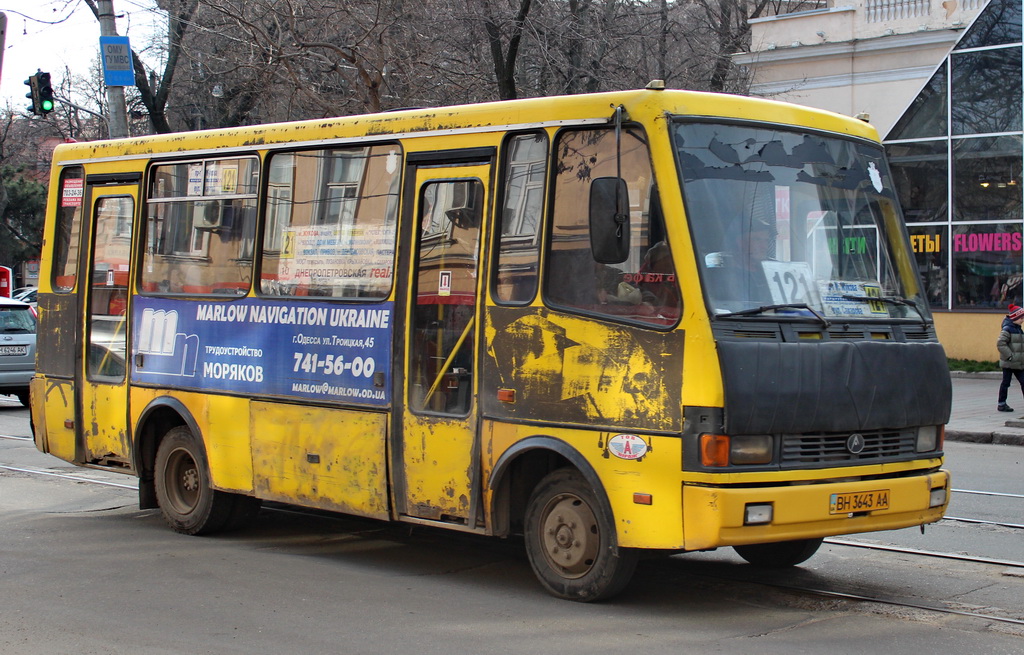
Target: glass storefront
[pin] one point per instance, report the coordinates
(956, 158)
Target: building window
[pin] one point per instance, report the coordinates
(959, 181)
(920, 173)
(987, 265)
(931, 248)
(926, 116)
(986, 179)
(341, 177)
(280, 183)
(998, 24)
(979, 102)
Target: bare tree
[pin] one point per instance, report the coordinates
(231, 62)
(153, 89)
(504, 37)
(326, 58)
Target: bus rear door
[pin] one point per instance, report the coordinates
(101, 379)
(437, 459)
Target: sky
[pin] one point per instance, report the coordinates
(55, 35)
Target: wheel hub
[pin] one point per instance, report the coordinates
(570, 534)
(190, 479)
(183, 482)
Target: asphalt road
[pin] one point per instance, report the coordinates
(82, 570)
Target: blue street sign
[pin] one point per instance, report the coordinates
(117, 61)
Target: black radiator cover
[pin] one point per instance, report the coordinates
(833, 386)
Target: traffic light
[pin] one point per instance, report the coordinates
(45, 93)
(41, 94)
(33, 94)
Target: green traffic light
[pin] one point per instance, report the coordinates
(46, 105)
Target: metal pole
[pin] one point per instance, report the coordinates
(88, 111)
(3, 38)
(116, 108)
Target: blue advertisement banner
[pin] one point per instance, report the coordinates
(321, 351)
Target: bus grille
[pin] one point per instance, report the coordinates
(811, 449)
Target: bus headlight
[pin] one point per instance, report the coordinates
(751, 449)
(718, 450)
(929, 438)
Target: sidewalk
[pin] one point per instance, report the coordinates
(974, 417)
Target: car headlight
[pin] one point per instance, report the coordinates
(751, 449)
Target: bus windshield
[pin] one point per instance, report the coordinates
(791, 223)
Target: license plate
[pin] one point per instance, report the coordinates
(13, 350)
(859, 501)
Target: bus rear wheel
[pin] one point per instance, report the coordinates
(779, 555)
(187, 501)
(570, 540)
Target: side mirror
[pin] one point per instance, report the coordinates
(609, 220)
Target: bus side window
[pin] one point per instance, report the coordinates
(331, 222)
(68, 230)
(199, 227)
(524, 172)
(641, 288)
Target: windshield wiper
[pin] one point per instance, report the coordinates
(767, 308)
(892, 300)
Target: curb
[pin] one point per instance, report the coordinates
(999, 438)
(984, 375)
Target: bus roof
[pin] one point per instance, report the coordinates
(481, 117)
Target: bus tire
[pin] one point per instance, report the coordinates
(569, 538)
(187, 501)
(779, 555)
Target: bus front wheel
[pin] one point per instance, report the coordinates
(570, 540)
(187, 501)
(779, 555)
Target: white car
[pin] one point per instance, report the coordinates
(26, 294)
(17, 347)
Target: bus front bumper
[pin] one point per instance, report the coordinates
(730, 516)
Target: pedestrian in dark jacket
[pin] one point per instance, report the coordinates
(1011, 353)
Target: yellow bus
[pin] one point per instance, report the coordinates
(645, 320)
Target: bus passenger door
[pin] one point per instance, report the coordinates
(437, 464)
(101, 378)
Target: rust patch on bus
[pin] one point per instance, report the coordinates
(573, 369)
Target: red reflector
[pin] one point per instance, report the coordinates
(643, 499)
(714, 450)
(507, 395)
